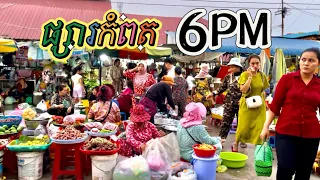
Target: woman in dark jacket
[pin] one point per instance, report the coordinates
(156, 96)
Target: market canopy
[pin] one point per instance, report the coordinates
(136, 54)
(7, 46)
(289, 46)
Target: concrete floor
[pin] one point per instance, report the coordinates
(246, 173)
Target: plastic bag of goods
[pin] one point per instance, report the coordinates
(157, 156)
(42, 105)
(135, 168)
(182, 171)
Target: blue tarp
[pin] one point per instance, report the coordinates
(289, 46)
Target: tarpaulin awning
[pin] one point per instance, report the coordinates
(7, 46)
(136, 54)
(288, 46)
(204, 57)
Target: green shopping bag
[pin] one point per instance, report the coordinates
(263, 158)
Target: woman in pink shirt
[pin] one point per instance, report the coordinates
(138, 132)
(105, 110)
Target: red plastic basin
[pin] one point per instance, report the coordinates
(203, 153)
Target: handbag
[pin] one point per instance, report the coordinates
(107, 113)
(254, 101)
(263, 158)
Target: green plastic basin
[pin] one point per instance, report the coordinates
(233, 159)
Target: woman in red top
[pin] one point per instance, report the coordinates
(141, 80)
(296, 100)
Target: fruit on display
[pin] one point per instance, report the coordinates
(13, 129)
(36, 141)
(106, 131)
(69, 133)
(204, 146)
(57, 119)
(28, 114)
(99, 144)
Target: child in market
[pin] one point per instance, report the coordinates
(93, 95)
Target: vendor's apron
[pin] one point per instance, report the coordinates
(149, 105)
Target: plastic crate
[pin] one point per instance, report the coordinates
(12, 146)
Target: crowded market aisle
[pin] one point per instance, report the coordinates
(246, 173)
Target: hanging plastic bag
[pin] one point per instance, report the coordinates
(135, 168)
(10, 100)
(170, 143)
(157, 156)
(263, 158)
(42, 105)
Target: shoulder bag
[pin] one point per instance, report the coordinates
(108, 111)
(192, 137)
(254, 101)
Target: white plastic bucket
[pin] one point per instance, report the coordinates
(103, 166)
(30, 165)
(1, 163)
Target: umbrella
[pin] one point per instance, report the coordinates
(136, 54)
(7, 46)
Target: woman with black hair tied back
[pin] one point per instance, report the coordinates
(105, 110)
(252, 106)
(296, 100)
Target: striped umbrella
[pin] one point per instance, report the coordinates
(7, 46)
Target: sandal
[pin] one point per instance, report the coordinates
(232, 146)
(243, 145)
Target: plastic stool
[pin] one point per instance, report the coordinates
(124, 115)
(272, 141)
(63, 155)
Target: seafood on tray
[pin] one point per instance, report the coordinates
(69, 133)
(99, 144)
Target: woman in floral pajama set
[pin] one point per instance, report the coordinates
(138, 132)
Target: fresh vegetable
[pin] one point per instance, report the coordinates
(13, 129)
(36, 141)
(69, 133)
(99, 144)
(28, 114)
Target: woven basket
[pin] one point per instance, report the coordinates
(263, 160)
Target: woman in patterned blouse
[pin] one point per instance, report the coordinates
(61, 103)
(101, 111)
(141, 80)
(138, 132)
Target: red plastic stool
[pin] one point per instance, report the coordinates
(64, 156)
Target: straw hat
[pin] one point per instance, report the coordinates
(204, 72)
(167, 79)
(235, 62)
(139, 114)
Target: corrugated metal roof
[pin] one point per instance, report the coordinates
(300, 35)
(289, 46)
(21, 19)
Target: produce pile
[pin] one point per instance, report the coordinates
(57, 119)
(36, 141)
(99, 144)
(204, 146)
(99, 127)
(28, 114)
(13, 129)
(69, 133)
